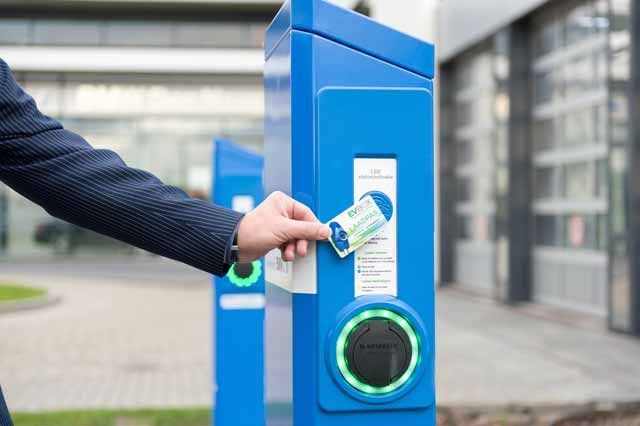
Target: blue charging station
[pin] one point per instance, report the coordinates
(349, 112)
(239, 299)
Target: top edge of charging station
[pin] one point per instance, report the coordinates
(354, 30)
(232, 159)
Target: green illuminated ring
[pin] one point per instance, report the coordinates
(248, 281)
(343, 341)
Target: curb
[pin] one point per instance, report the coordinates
(31, 303)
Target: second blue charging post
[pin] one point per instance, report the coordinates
(239, 299)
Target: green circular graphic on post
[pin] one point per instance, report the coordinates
(377, 351)
(245, 274)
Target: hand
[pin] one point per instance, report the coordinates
(278, 222)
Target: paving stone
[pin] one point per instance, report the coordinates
(131, 334)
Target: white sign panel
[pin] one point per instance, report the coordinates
(278, 271)
(235, 302)
(376, 261)
(281, 273)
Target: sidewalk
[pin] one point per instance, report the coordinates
(492, 354)
(138, 334)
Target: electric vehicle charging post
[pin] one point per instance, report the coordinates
(239, 299)
(349, 113)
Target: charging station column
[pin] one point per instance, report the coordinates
(349, 113)
(239, 299)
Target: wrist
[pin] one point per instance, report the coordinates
(232, 253)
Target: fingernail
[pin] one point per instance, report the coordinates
(325, 232)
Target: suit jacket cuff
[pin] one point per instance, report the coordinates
(232, 240)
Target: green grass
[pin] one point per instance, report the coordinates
(11, 293)
(176, 417)
(147, 417)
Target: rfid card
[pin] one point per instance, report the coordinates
(355, 226)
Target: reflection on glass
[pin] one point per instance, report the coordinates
(548, 38)
(603, 232)
(580, 24)
(579, 181)
(582, 231)
(138, 33)
(546, 182)
(464, 189)
(15, 31)
(464, 152)
(122, 32)
(544, 134)
(545, 86)
(548, 230)
(475, 109)
(569, 116)
(620, 65)
(620, 293)
(66, 32)
(580, 76)
(618, 189)
(464, 114)
(166, 128)
(465, 228)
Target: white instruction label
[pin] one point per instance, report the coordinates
(376, 261)
(278, 271)
(299, 276)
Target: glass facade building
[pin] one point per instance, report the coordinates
(569, 155)
(535, 152)
(160, 121)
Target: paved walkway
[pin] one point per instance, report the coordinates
(138, 334)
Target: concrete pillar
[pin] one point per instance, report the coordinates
(634, 169)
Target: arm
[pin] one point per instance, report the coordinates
(95, 189)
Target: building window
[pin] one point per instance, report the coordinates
(14, 31)
(131, 33)
(580, 181)
(546, 182)
(66, 32)
(161, 124)
(475, 108)
(569, 125)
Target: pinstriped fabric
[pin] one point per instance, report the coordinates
(5, 419)
(93, 188)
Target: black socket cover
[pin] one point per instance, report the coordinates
(243, 270)
(378, 352)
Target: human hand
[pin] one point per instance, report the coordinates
(278, 222)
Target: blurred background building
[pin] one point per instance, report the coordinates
(155, 81)
(535, 155)
(538, 165)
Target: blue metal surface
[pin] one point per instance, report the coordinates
(351, 29)
(329, 102)
(371, 123)
(239, 343)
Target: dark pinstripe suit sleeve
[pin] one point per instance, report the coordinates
(95, 189)
(5, 418)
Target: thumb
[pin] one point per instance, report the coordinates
(303, 230)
